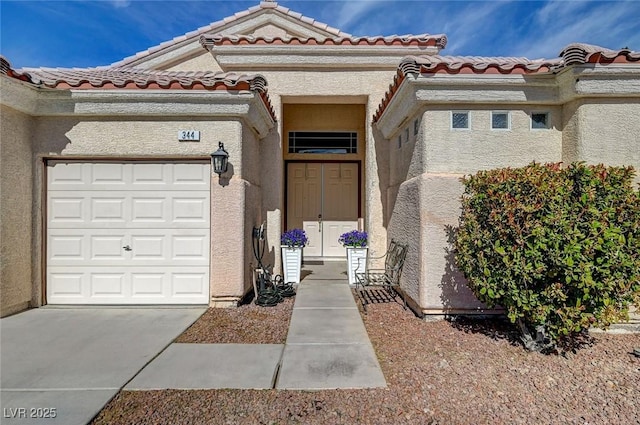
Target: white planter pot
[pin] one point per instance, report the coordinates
(291, 264)
(356, 262)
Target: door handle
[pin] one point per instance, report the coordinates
(319, 222)
(127, 248)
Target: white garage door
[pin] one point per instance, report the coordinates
(128, 233)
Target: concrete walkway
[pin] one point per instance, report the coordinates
(327, 347)
(62, 365)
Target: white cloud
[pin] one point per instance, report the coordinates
(350, 12)
(468, 26)
(601, 23)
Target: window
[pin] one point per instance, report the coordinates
(416, 126)
(539, 120)
(319, 142)
(406, 135)
(500, 121)
(400, 141)
(460, 120)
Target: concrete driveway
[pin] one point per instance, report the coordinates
(62, 365)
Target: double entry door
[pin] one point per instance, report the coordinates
(323, 199)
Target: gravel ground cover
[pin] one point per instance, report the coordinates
(247, 324)
(463, 372)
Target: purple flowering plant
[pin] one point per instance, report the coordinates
(354, 238)
(294, 238)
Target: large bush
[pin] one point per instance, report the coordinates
(558, 248)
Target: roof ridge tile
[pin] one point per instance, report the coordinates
(437, 40)
(264, 5)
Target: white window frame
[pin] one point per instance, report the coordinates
(508, 128)
(467, 128)
(547, 127)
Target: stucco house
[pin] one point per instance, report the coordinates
(107, 192)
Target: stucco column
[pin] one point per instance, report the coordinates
(376, 183)
(228, 241)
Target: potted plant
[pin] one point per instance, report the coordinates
(291, 243)
(355, 242)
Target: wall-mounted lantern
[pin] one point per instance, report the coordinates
(220, 160)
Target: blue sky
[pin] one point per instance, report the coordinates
(99, 32)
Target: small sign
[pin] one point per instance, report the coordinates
(189, 135)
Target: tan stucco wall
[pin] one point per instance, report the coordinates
(426, 208)
(571, 131)
(609, 132)
(202, 62)
(16, 182)
(481, 148)
(254, 211)
(228, 243)
(134, 137)
(602, 131)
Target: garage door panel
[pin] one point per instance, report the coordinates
(149, 285)
(109, 210)
(134, 209)
(128, 233)
(195, 178)
(107, 285)
(179, 247)
(149, 210)
(67, 210)
(128, 247)
(64, 247)
(107, 175)
(133, 285)
(149, 247)
(108, 248)
(66, 285)
(152, 175)
(65, 176)
(193, 210)
(189, 248)
(131, 176)
(187, 285)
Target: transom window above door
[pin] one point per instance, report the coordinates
(323, 142)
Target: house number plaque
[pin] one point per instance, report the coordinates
(189, 135)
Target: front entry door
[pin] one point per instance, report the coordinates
(322, 199)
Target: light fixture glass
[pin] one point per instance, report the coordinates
(220, 159)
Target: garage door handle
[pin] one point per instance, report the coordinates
(127, 248)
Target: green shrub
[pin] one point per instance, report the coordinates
(558, 248)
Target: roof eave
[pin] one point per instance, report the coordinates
(421, 90)
(274, 57)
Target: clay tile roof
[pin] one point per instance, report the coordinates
(6, 69)
(438, 40)
(105, 77)
(214, 26)
(475, 64)
(135, 78)
(579, 53)
(573, 54)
